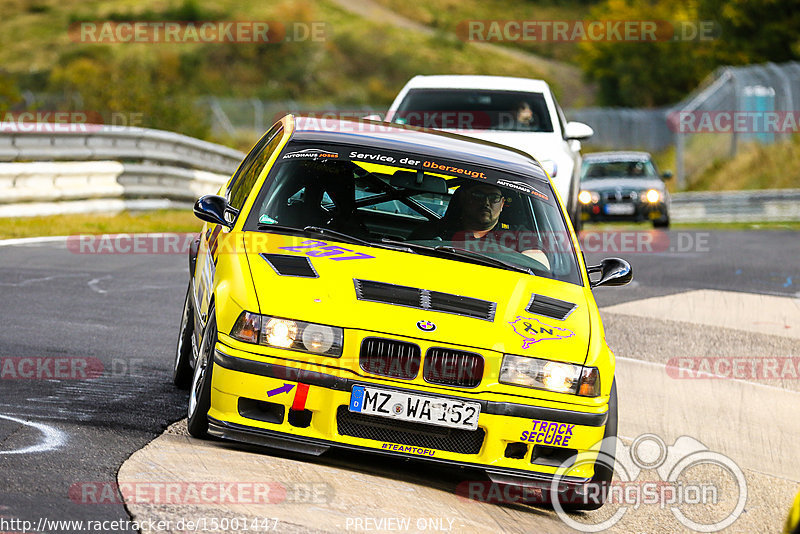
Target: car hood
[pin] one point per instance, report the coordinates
(371, 294)
(639, 184)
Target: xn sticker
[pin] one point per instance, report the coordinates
(534, 331)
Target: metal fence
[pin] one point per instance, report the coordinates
(625, 128)
(734, 105)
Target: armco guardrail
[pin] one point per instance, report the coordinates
(768, 205)
(74, 168)
(61, 168)
(91, 142)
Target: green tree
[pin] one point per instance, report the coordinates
(9, 92)
(645, 73)
(152, 91)
(754, 31)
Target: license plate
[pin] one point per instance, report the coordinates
(417, 408)
(620, 209)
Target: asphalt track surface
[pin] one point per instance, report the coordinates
(119, 315)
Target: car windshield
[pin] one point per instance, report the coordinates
(413, 203)
(618, 169)
(462, 109)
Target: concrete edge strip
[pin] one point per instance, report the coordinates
(33, 240)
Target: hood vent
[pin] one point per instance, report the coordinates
(425, 299)
(550, 307)
(287, 265)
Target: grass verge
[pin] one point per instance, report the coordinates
(140, 222)
(185, 221)
(767, 225)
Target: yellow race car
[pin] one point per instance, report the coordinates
(405, 292)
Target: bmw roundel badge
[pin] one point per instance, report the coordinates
(426, 326)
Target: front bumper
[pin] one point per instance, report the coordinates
(241, 410)
(642, 211)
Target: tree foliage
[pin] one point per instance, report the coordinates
(133, 90)
(639, 73)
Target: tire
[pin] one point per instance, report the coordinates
(603, 471)
(661, 224)
(182, 368)
(200, 392)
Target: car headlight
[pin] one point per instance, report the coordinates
(288, 334)
(653, 196)
(553, 376)
(588, 197)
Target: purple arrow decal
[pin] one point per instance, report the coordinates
(286, 388)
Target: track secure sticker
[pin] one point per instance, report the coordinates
(534, 331)
(549, 433)
(408, 448)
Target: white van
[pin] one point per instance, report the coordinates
(518, 112)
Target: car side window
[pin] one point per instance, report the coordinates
(252, 166)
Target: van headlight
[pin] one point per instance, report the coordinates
(553, 376)
(588, 197)
(289, 334)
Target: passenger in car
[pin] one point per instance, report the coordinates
(525, 118)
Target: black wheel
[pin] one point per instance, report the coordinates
(603, 471)
(200, 393)
(664, 223)
(604, 467)
(182, 369)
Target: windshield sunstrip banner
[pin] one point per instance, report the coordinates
(443, 167)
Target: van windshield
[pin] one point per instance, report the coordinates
(474, 109)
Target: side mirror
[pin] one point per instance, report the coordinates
(577, 131)
(613, 272)
(666, 175)
(212, 208)
(550, 166)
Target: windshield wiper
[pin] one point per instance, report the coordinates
(488, 260)
(464, 253)
(339, 236)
